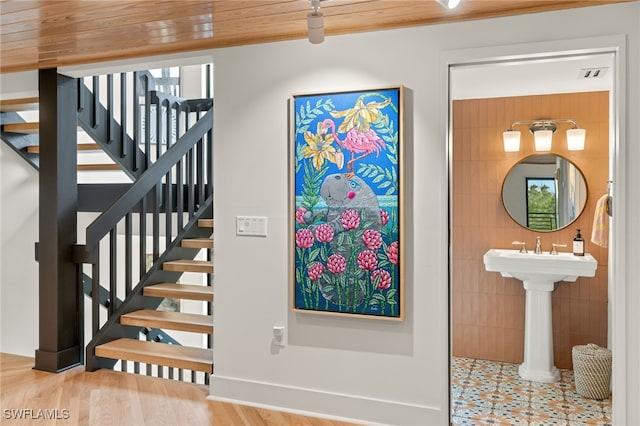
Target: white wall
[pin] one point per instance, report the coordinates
(354, 368)
(18, 233)
(18, 268)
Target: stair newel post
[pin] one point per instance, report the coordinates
(59, 304)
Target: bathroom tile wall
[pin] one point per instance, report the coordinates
(488, 310)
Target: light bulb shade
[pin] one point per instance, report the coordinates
(511, 140)
(315, 26)
(543, 139)
(575, 139)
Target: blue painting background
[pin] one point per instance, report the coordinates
(337, 275)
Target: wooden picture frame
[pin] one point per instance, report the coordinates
(346, 198)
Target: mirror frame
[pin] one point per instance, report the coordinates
(520, 161)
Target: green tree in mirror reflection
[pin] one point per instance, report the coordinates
(541, 204)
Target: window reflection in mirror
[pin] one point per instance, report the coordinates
(541, 203)
(544, 192)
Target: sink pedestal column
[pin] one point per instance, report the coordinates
(538, 333)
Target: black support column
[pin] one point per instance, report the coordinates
(59, 323)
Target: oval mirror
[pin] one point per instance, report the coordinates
(544, 192)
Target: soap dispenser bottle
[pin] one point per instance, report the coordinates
(578, 245)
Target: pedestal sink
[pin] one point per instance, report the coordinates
(539, 273)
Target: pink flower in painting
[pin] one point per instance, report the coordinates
(383, 277)
(315, 271)
(392, 252)
(336, 263)
(372, 239)
(324, 233)
(384, 217)
(367, 260)
(300, 214)
(304, 238)
(350, 219)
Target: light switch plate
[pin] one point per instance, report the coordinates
(255, 226)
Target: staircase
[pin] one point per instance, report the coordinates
(153, 238)
(173, 356)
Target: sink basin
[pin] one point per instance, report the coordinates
(540, 267)
(539, 273)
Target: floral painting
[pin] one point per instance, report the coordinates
(347, 188)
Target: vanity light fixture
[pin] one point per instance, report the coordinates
(449, 4)
(315, 23)
(542, 131)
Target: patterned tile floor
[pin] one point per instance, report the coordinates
(492, 393)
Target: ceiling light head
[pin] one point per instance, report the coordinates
(315, 23)
(449, 4)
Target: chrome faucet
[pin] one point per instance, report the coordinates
(538, 249)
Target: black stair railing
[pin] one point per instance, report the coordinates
(112, 109)
(176, 189)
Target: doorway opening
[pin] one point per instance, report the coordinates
(486, 310)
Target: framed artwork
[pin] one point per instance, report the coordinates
(346, 194)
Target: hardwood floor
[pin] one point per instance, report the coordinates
(106, 397)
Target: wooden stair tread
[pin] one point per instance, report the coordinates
(35, 149)
(21, 104)
(180, 291)
(22, 127)
(191, 358)
(197, 243)
(181, 321)
(98, 167)
(205, 223)
(187, 265)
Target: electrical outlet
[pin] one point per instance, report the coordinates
(278, 333)
(255, 226)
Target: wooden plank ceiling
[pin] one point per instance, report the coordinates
(50, 33)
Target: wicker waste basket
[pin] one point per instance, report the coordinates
(592, 370)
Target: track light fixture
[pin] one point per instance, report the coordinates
(449, 4)
(542, 131)
(315, 23)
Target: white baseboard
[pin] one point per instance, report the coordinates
(323, 404)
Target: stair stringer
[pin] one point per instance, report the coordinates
(19, 141)
(112, 329)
